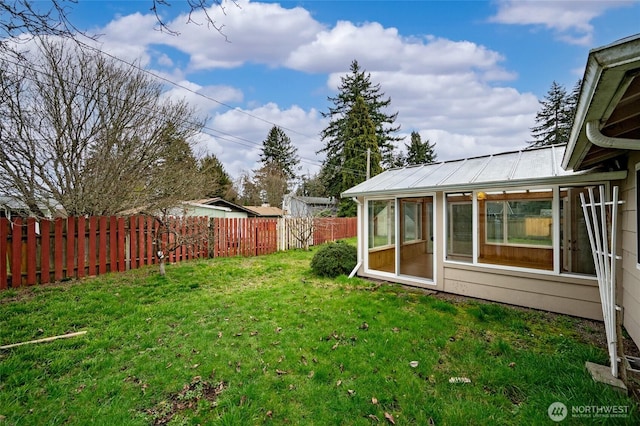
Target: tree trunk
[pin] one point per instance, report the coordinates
(161, 263)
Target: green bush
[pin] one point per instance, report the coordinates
(334, 259)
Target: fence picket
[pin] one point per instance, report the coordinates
(81, 242)
(93, 232)
(133, 240)
(149, 238)
(31, 251)
(45, 251)
(58, 244)
(70, 245)
(4, 240)
(103, 248)
(16, 250)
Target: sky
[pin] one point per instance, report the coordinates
(466, 75)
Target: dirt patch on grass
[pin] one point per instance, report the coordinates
(189, 398)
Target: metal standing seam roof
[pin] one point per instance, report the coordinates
(528, 166)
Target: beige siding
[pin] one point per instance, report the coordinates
(630, 273)
(566, 295)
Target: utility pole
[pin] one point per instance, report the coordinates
(368, 163)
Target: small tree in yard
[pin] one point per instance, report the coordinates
(172, 233)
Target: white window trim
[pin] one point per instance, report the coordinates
(366, 249)
(555, 232)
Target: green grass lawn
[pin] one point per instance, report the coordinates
(245, 341)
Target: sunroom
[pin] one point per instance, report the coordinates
(506, 227)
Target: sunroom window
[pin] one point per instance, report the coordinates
(459, 227)
(575, 249)
(381, 235)
(516, 228)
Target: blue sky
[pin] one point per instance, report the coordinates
(466, 75)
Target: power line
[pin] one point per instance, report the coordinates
(210, 131)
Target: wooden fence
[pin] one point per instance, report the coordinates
(43, 251)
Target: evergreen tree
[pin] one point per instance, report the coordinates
(217, 182)
(311, 186)
(573, 101)
(555, 118)
(278, 150)
(419, 152)
(360, 143)
(356, 84)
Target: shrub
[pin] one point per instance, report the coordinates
(334, 259)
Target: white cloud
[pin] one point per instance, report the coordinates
(382, 49)
(256, 33)
(451, 91)
(238, 136)
(460, 111)
(571, 19)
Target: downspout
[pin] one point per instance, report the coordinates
(596, 137)
(359, 264)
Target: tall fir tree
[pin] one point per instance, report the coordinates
(360, 152)
(356, 83)
(555, 119)
(278, 150)
(217, 182)
(419, 152)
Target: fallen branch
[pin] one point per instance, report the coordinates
(46, 339)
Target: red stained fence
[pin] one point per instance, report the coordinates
(43, 251)
(333, 228)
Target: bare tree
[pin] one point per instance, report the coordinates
(37, 18)
(172, 233)
(301, 221)
(90, 134)
(204, 6)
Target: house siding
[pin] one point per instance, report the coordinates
(630, 274)
(566, 295)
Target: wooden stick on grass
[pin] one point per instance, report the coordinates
(46, 339)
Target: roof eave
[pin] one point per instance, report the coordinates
(603, 81)
(575, 178)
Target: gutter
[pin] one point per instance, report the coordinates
(597, 138)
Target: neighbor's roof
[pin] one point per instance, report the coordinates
(527, 167)
(265, 210)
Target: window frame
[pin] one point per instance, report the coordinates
(479, 193)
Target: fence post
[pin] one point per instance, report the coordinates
(4, 239)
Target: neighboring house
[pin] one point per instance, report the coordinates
(12, 207)
(192, 208)
(509, 227)
(266, 211)
(297, 206)
(234, 210)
